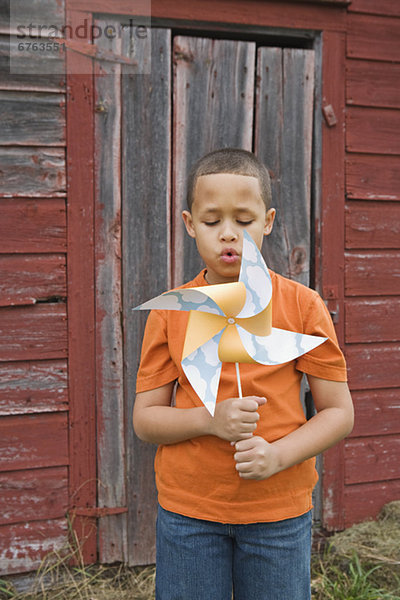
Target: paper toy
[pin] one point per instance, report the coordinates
(231, 322)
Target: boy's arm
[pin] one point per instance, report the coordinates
(157, 422)
(258, 459)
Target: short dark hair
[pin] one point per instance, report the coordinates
(230, 160)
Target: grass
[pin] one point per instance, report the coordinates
(360, 563)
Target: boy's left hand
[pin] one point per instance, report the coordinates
(256, 458)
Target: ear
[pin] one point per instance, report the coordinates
(188, 220)
(269, 220)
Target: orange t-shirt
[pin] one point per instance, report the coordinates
(197, 478)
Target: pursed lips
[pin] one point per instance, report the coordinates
(229, 255)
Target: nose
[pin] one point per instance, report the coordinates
(228, 232)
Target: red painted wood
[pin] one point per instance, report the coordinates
(372, 320)
(373, 37)
(29, 225)
(372, 225)
(27, 278)
(33, 495)
(24, 545)
(33, 387)
(329, 230)
(373, 130)
(34, 332)
(81, 298)
(370, 83)
(377, 412)
(32, 172)
(383, 7)
(372, 273)
(372, 459)
(373, 366)
(372, 177)
(33, 441)
(364, 501)
(243, 12)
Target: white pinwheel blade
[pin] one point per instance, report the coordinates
(186, 299)
(255, 276)
(203, 369)
(279, 347)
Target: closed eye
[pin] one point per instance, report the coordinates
(211, 223)
(245, 222)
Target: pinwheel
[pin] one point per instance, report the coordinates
(231, 322)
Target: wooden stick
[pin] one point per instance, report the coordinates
(238, 380)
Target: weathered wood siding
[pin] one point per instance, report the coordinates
(34, 454)
(372, 234)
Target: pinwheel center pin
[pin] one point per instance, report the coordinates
(231, 320)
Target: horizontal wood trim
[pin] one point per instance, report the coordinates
(373, 225)
(373, 37)
(32, 225)
(370, 83)
(33, 495)
(365, 501)
(238, 12)
(372, 459)
(24, 545)
(372, 320)
(383, 7)
(32, 172)
(33, 441)
(373, 366)
(31, 71)
(372, 177)
(372, 130)
(27, 278)
(372, 273)
(33, 387)
(33, 332)
(377, 412)
(34, 119)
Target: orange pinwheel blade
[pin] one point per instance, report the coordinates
(201, 327)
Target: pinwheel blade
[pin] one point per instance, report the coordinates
(279, 347)
(255, 276)
(186, 299)
(203, 369)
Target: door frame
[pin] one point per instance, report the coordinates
(328, 33)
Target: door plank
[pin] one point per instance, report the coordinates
(365, 500)
(283, 142)
(372, 225)
(213, 108)
(373, 37)
(377, 412)
(372, 459)
(372, 177)
(112, 529)
(372, 320)
(372, 83)
(372, 130)
(372, 273)
(373, 366)
(146, 154)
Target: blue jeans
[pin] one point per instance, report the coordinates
(203, 560)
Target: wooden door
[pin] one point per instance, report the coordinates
(199, 94)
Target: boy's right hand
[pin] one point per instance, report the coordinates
(236, 418)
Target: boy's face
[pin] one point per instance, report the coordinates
(225, 205)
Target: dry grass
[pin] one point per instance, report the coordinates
(361, 563)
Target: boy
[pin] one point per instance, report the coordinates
(235, 489)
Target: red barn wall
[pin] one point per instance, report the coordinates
(372, 256)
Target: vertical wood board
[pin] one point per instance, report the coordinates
(33, 387)
(27, 278)
(146, 152)
(283, 139)
(213, 108)
(109, 350)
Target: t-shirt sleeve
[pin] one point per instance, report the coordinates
(327, 360)
(156, 366)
